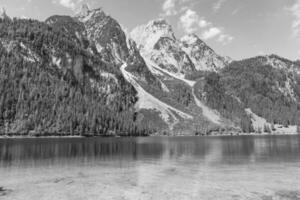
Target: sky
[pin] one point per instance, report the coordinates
(235, 28)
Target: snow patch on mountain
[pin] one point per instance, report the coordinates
(210, 114)
(148, 101)
(158, 69)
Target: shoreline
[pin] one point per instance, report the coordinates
(214, 135)
(31, 137)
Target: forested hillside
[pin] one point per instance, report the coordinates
(84, 75)
(270, 90)
(51, 84)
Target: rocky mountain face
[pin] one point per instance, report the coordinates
(157, 42)
(84, 75)
(203, 57)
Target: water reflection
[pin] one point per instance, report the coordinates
(222, 150)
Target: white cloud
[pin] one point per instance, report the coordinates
(295, 11)
(203, 23)
(191, 22)
(218, 5)
(211, 33)
(174, 7)
(71, 4)
(169, 8)
(225, 39)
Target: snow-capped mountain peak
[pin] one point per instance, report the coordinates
(146, 36)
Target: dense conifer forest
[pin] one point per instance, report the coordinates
(39, 97)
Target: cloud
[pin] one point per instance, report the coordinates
(169, 8)
(173, 7)
(191, 22)
(71, 4)
(211, 33)
(218, 5)
(225, 39)
(295, 11)
(203, 23)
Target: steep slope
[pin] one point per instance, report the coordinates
(148, 101)
(203, 57)
(98, 27)
(106, 33)
(268, 86)
(84, 75)
(156, 102)
(170, 61)
(219, 86)
(110, 41)
(157, 42)
(51, 84)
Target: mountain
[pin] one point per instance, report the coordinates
(52, 83)
(83, 75)
(269, 85)
(203, 57)
(182, 65)
(157, 41)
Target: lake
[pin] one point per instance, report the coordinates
(246, 167)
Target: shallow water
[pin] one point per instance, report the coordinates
(259, 167)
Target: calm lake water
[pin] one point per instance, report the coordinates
(249, 167)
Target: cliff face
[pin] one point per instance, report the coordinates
(84, 75)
